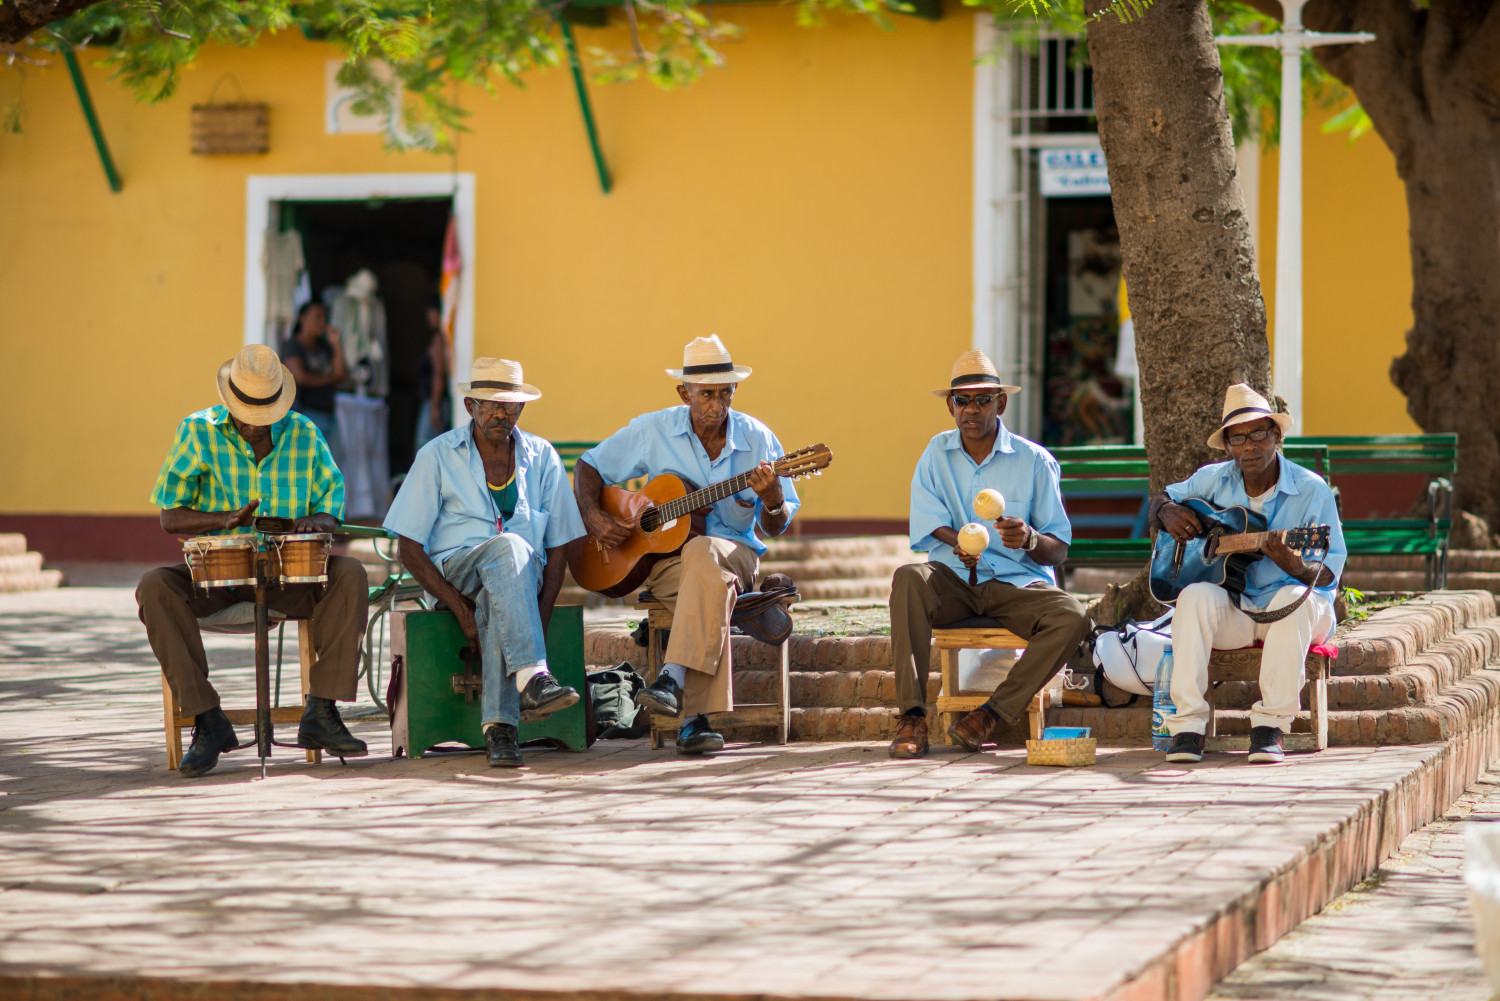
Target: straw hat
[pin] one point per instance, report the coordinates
(1241, 406)
(498, 379)
(256, 387)
(974, 370)
(706, 359)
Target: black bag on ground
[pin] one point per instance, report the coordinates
(616, 715)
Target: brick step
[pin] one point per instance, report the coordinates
(1416, 580)
(1459, 561)
(12, 543)
(20, 563)
(845, 588)
(39, 580)
(786, 548)
(831, 568)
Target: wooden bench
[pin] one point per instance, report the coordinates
(1243, 666)
(776, 714)
(975, 633)
(1121, 471)
(1434, 456)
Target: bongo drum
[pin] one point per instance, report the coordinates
(300, 558)
(220, 560)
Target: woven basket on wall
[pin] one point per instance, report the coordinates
(231, 128)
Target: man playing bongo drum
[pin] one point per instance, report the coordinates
(252, 456)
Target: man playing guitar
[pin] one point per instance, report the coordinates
(1257, 477)
(702, 441)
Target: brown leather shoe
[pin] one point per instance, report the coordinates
(974, 730)
(911, 737)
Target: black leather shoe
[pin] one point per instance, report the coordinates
(323, 730)
(543, 696)
(663, 697)
(694, 737)
(212, 736)
(500, 745)
(1186, 747)
(1265, 746)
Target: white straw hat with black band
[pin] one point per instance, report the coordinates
(706, 359)
(255, 387)
(974, 370)
(1243, 405)
(498, 379)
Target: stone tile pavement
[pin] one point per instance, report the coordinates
(821, 870)
(1403, 934)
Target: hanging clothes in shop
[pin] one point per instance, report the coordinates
(285, 269)
(360, 315)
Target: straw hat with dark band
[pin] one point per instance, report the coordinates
(498, 379)
(974, 370)
(255, 387)
(706, 359)
(1242, 405)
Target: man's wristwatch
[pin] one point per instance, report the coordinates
(774, 511)
(1031, 543)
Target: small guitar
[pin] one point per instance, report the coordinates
(666, 514)
(1224, 553)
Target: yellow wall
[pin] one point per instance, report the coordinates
(810, 203)
(1356, 280)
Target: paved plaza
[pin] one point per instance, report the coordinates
(811, 870)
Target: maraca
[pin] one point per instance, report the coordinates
(989, 504)
(973, 539)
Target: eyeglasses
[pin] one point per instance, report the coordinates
(982, 400)
(490, 406)
(1240, 439)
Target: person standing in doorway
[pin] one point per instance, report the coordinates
(315, 357)
(432, 379)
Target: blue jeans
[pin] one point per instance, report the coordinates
(502, 578)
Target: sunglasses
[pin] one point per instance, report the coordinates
(982, 400)
(1240, 439)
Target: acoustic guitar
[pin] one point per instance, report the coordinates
(668, 511)
(1224, 553)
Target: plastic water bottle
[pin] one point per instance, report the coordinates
(1162, 708)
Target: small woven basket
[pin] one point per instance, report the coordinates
(1070, 752)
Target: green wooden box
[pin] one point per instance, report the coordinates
(430, 710)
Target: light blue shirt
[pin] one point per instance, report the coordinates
(1300, 498)
(445, 504)
(942, 496)
(664, 442)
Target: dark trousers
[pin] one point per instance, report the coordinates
(171, 606)
(926, 594)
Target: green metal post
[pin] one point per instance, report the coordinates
(605, 181)
(87, 103)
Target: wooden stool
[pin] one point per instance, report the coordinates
(1244, 665)
(974, 633)
(777, 714)
(174, 722)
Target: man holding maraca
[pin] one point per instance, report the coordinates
(999, 567)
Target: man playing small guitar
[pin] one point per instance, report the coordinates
(703, 441)
(1259, 478)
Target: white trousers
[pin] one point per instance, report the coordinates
(1207, 619)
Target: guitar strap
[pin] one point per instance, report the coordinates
(1283, 612)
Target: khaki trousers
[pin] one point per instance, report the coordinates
(699, 587)
(926, 594)
(170, 607)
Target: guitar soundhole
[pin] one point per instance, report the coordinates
(650, 520)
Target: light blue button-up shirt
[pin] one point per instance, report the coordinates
(1301, 498)
(664, 442)
(942, 496)
(445, 504)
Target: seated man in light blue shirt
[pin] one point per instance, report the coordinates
(1257, 476)
(1013, 580)
(704, 442)
(484, 517)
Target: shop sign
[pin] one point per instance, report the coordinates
(1073, 172)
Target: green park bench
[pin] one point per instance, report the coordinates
(1430, 455)
(571, 451)
(1120, 472)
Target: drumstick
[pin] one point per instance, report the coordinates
(973, 539)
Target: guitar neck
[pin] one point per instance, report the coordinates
(711, 494)
(1249, 542)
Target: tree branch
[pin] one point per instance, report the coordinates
(19, 18)
(1480, 61)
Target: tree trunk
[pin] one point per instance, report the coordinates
(1200, 322)
(1430, 83)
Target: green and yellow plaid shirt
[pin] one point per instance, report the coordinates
(211, 468)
